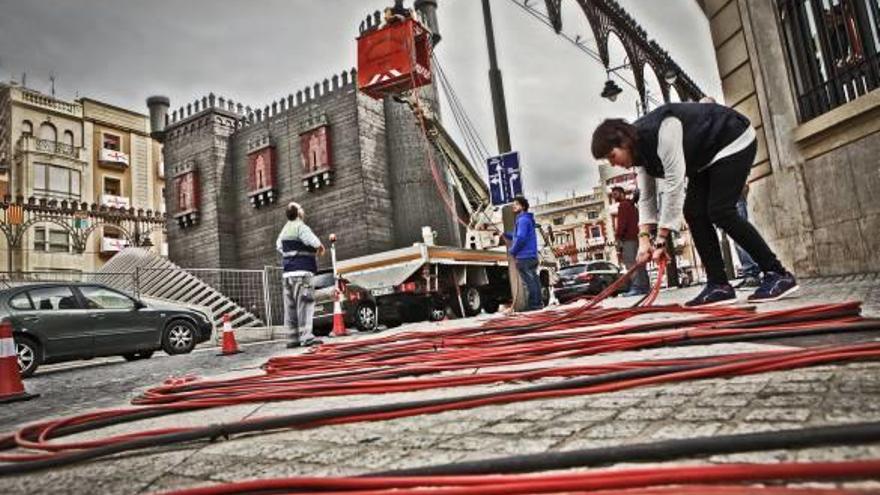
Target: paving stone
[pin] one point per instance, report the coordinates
(670, 400)
(616, 429)
(645, 413)
(587, 415)
(778, 414)
(541, 414)
(731, 401)
(738, 428)
(795, 388)
(480, 442)
(614, 402)
(507, 428)
(681, 430)
(517, 446)
(174, 482)
(787, 401)
(705, 414)
(563, 430)
(738, 388)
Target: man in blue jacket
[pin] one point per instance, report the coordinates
(524, 248)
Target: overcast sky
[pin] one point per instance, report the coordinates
(254, 51)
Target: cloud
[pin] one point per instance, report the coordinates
(123, 51)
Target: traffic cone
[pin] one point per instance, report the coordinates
(230, 346)
(11, 388)
(338, 317)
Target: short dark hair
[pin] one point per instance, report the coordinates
(618, 188)
(522, 201)
(292, 211)
(613, 133)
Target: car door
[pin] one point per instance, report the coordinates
(54, 315)
(325, 286)
(118, 323)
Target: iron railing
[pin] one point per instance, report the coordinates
(832, 48)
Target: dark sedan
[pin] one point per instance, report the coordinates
(56, 322)
(585, 279)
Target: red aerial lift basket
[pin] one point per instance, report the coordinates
(394, 59)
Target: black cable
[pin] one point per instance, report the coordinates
(310, 418)
(668, 450)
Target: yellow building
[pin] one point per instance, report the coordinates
(74, 176)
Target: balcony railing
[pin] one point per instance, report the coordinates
(30, 143)
(115, 201)
(595, 241)
(113, 156)
(47, 102)
(112, 245)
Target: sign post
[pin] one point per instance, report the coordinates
(505, 178)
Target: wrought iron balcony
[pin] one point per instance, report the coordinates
(32, 144)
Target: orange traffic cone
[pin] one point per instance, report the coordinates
(230, 346)
(11, 388)
(338, 317)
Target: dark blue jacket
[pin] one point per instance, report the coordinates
(303, 261)
(525, 241)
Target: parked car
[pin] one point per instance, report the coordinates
(54, 322)
(358, 306)
(585, 279)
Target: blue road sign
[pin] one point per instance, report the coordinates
(505, 178)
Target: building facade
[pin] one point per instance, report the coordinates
(57, 154)
(806, 74)
(357, 165)
(579, 226)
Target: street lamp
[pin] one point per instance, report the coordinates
(611, 90)
(670, 76)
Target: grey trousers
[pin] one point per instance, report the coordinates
(640, 277)
(299, 308)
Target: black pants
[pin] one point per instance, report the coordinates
(711, 201)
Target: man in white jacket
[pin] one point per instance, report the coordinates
(299, 248)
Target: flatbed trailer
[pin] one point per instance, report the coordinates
(421, 281)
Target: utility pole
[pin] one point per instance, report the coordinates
(502, 133)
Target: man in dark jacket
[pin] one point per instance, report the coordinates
(299, 248)
(626, 232)
(524, 248)
(713, 147)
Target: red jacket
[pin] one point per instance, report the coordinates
(627, 228)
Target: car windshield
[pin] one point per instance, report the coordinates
(571, 271)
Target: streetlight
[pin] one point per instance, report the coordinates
(670, 76)
(611, 90)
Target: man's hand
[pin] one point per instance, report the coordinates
(322, 250)
(659, 255)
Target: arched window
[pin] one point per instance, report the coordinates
(27, 128)
(68, 138)
(48, 132)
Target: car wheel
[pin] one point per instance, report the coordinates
(437, 313)
(28, 353)
(180, 337)
(473, 301)
(137, 356)
(491, 306)
(365, 317)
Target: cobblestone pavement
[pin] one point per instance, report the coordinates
(784, 400)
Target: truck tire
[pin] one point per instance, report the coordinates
(473, 301)
(365, 317)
